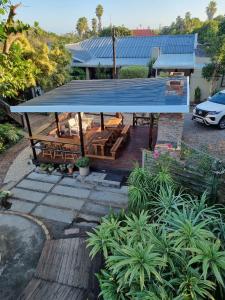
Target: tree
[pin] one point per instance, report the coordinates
(99, 13)
(120, 31)
(211, 10)
(208, 32)
(82, 26)
(94, 25)
(133, 72)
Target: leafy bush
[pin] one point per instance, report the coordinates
(197, 94)
(133, 72)
(172, 249)
(78, 73)
(83, 162)
(9, 135)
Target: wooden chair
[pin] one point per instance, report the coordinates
(47, 149)
(58, 151)
(69, 152)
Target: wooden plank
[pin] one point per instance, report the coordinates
(52, 139)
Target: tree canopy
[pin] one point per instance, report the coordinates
(82, 26)
(211, 9)
(119, 30)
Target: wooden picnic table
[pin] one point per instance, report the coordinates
(99, 140)
(52, 139)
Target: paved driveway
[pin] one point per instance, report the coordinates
(200, 136)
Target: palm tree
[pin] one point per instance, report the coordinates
(211, 9)
(94, 26)
(82, 26)
(99, 13)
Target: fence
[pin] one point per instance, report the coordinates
(188, 176)
(17, 117)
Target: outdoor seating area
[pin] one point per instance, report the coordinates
(100, 139)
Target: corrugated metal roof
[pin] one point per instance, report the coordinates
(133, 47)
(134, 95)
(177, 61)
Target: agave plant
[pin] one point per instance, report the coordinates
(194, 287)
(109, 287)
(212, 259)
(137, 228)
(104, 237)
(135, 264)
(166, 200)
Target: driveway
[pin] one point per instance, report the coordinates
(202, 137)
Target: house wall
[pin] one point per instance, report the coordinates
(196, 80)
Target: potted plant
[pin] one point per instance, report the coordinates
(83, 164)
(70, 168)
(62, 168)
(4, 196)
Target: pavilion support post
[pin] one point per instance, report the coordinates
(30, 135)
(134, 120)
(57, 123)
(151, 147)
(102, 121)
(81, 135)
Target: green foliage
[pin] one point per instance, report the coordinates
(120, 31)
(172, 250)
(197, 94)
(211, 9)
(133, 72)
(83, 162)
(78, 73)
(82, 26)
(9, 135)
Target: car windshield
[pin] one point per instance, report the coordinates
(218, 98)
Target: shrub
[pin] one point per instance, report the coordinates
(83, 162)
(197, 94)
(133, 72)
(78, 73)
(172, 250)
(9, 135)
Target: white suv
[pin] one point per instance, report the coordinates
(212, 111)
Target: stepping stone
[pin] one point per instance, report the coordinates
(73, 182)
(110, 183)
(27, 195)
(71, 231)
(123, 190)
(96, 209)
(22, 206)
(55, 214)
(44, 177)
(109, 198)
(95, 177)
(35, 185)
(71, 192)
(89, 218)
(65, 202)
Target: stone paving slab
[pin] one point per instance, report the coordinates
(123, 190)
(44, 177)
(71, 192)
(108, 198)
(64, 202)
(97, 209)
(55, 214)
(22, 206)
(35, 185)
(27, 195)
(75, 183)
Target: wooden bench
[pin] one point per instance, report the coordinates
(126, 132)
(115, 148)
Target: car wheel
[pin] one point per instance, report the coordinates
(222, 123)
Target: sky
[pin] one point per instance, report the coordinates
(60, 16)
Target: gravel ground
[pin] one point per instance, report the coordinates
(21, 166)
(201, 136)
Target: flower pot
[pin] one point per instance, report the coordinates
(84, 171)
(70, 171)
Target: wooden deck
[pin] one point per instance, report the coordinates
(64, 272)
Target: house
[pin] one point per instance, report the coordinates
(143, 32)
(170, 53)
(112, 141)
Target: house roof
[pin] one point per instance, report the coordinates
(133, 95)
(177, 61)
(143, 32)
(130, 47)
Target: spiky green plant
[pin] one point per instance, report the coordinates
(212, 259)
(135, 264)
(104, 236)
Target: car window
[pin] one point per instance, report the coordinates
(218, 98)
